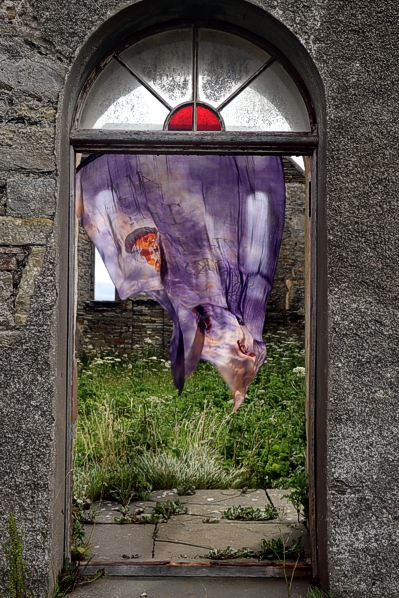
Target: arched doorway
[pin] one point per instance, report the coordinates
(297, 135)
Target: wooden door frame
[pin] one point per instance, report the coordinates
(97, 141)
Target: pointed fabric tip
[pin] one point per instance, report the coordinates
(238, 400)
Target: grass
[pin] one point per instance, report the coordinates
(134, 432)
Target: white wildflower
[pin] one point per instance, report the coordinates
(299, 371)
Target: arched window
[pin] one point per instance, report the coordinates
(195, 78)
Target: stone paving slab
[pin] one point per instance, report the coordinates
(251, 498)
(112, 587)
(187, 537)
(283, 505)
(111, 542)
(107, 511)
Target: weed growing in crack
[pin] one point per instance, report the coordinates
(269, 550)
(161, 513)
(80, 546)
(70, 577)
(186, 490)
(277, 548)
(240, 513)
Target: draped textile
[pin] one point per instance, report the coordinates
(199, 234)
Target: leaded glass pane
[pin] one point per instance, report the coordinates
(271, 102)
(117, 100)
(182, 120)
(225, 61)
(164, 60)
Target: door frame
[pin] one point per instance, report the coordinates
(205, 143)
(310, 145)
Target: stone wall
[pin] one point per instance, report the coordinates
(348, 57)
(122, 325)
(286, 305)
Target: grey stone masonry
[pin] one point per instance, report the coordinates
(29, 197)
(20, 231)
(347, 56)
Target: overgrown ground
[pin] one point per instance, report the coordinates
(134, 433)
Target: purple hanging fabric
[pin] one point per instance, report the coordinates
(199, 234)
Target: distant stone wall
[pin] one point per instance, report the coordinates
(286, 306)
(122, 325)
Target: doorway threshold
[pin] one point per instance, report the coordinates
(206, 569)
(200, 542)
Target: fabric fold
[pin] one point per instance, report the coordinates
(199, 234)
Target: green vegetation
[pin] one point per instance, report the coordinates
(134, 433)
(250, 513)
(269, 550)
(161, 513)
(70, 578)
(15, 572)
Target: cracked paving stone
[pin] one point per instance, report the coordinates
(111, 542)
(190, 537)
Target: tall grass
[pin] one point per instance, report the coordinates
(133, 426)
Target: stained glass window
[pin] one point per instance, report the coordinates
(194, 79)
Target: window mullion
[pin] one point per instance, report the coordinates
(143, 82)
(195, 75)
(256, 74)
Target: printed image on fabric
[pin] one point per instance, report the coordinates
(199, 234)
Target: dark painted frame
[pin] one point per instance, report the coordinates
(130, 20)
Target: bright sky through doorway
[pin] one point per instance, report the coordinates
(104, 289)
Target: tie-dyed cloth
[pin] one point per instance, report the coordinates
(199, 234)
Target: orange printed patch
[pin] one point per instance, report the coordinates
(149, 250)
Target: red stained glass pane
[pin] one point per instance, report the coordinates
(207, 120)
(182, 120)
